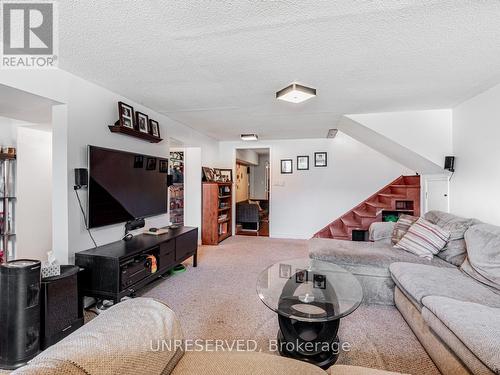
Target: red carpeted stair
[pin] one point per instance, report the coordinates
(402, 196)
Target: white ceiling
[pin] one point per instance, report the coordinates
(216, 65)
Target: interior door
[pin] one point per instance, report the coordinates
(437, 194)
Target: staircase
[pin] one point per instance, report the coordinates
(400, 196)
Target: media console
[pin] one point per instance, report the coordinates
(121, 268)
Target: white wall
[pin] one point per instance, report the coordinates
(428, 133)
(82, 118)
(7, 132)
(305, 201)
(34, 193)
(248, 156)
(192, 187)
(475, 186)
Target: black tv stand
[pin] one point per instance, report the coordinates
(122, 268)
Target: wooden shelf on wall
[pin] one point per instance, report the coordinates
(134, 133)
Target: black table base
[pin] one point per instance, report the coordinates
(313, 342)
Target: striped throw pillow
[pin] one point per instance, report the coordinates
(424, 239)
(401, 227)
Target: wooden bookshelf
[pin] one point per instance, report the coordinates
(217, 221)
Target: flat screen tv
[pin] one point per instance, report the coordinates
(124, 186)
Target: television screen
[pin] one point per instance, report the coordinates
(125, 186)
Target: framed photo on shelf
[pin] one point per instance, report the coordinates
(142, 122)
(286, 166)
(208, 174)
(320, 159)
(154, 128)
(302, 163)
(226, 175)
(126, 115)
(217, 175)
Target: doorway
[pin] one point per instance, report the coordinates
(436, 193)
(252, 191)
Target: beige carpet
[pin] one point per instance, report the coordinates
(218, 300)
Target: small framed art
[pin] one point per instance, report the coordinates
(302, 163)
(320, 159)
(286, 166)
(154, 128)
(142, 122)
(126, 115)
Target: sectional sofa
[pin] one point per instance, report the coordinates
(453, 310)
(128, 339)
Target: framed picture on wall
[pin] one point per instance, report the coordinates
(302, 163)
(141, 122)
(286, 166)
(126, 115)
(320, 159)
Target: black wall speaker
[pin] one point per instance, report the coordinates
(449, 163)
(62, 307)
(19, 312)
(81, 177)
(170, 180)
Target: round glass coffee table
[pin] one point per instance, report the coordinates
(310, 297)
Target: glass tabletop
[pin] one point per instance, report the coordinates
(309, 290)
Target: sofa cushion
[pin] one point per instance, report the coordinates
(424, 239)
(475, 325)
(369, 262)
(455, 250)
(381, 231)
(418, 281)
(106, 341)
(401, 227)
(241, 363)
(49, 367)
(483, 254)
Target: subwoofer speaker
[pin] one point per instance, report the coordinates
(19, 312)
(62, 307)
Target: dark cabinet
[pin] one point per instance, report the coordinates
(121, 268)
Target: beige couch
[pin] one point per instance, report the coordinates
(127, 339)
(455, 316)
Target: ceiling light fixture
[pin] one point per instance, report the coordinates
(296, 93)
(249, 137)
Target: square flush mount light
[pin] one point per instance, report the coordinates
(249, 137)
(296, 93)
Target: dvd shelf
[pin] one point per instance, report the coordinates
(176, 190)
(7, 207)
(217, 215)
